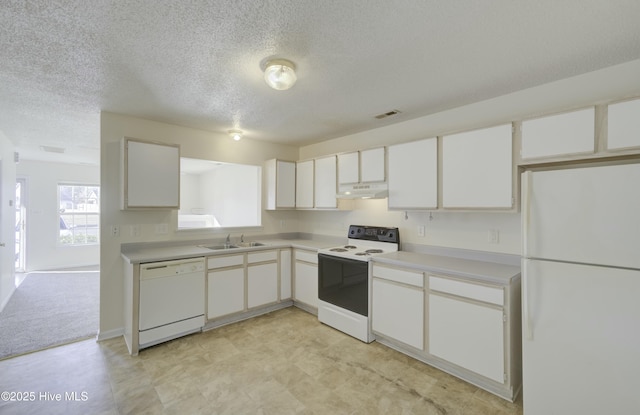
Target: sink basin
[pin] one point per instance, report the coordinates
(250, 244)
(216, 247)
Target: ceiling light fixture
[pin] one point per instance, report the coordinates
(280, 74)
(235, 134)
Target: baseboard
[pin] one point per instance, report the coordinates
(109, 334)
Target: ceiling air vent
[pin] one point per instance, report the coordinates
(387, 114)
(50, 149)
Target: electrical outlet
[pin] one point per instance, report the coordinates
(493, 236)
(115, 231)
(421, 231)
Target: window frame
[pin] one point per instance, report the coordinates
(93, 224)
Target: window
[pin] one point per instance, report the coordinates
(79, 214)
(219, 195)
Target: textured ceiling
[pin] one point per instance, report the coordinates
(197, 63)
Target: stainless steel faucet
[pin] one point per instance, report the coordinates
(242, 238)
(227, 242)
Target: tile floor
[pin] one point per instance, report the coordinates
(284, 362)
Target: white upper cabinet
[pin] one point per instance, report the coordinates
(413, 175)
(372, 165)
(304, 184)
(366, 166)
(326, 183)
(281, 184)
(349, 168)
(624, 125)
(150, 175)
(559, 135)
(477, 169)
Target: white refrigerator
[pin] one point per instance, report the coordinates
(581, 290)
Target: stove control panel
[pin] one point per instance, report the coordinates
(374, 233)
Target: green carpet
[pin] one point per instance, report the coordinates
(50, 309)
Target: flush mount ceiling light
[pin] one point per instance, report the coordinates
(235, 134)
(280, 74)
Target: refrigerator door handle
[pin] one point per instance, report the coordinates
(526, 216)
(526, 312)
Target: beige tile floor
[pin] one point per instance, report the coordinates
(284, 362)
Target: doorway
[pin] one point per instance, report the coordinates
(21, 221)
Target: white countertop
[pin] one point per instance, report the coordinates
(153, 253)
(492, 272)
(467, 268)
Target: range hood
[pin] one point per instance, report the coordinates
(363, 191)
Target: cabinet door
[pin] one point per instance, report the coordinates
(225, 292)
(325, 183)
(624, 125)
(304, 184)
(557, 135)
(398, 312)
(262, 283)
(306, 283)
(467, 334)
(372, 165)
(281, 184)
(348, 168)
(413, 175)
(151, 176)
(477, 169)
(285, 274)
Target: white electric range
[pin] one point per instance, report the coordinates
(343, 278)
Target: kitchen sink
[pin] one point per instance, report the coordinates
(217, 247)
(249, 244)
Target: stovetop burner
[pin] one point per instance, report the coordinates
(364, 242)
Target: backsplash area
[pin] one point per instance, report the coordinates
(482, 231)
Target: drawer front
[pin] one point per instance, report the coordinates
(225, 261)
(399, 275)
(307, 256)
(262, 256)
(464, 289)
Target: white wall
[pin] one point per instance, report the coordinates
(194, 144)
(466, 230)
(7, 221)
(42, 179)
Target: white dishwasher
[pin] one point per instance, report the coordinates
(171, 300)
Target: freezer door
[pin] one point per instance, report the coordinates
(581, 339)
(586, 215)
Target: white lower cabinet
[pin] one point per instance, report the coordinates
(306, 278)
(285, 274)
(398, 312)
(225, 292)
(245, 282)
(467, 334)
(262, 284)
(468, 328)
